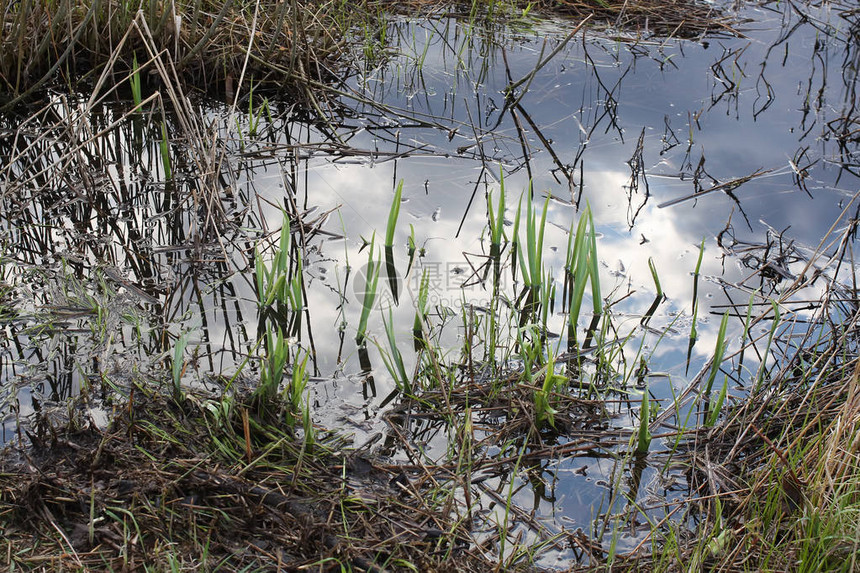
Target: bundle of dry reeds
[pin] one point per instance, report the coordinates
(289, 43)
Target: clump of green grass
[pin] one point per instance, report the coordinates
(280, 300)
(280, 290)
(531, 258)
(776, 467)
(581, 269)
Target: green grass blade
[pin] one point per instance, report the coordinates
(774, 325)
(655, 277)
(643, 438)
(515, 241)
(398, 369)
(372, 279)
(392, 216)
(178, 365)
(719, 352)
(165, 152)
(593, 268)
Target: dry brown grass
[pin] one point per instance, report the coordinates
(171, 488)
(289, 46)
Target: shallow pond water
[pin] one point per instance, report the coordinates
(106, 261)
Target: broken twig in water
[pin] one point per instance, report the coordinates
(528, 77)
(730, 185)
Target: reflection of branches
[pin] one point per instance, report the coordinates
(637, 173)
(770, 260)
(559, 166)
(728, 79)
(800, 165)
(89, 190)
(669, 138)
(828, 37)
(610, 104)
(847, 127)
(727, 187)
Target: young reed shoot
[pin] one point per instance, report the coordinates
(579, 269)
(531, 263)
(643, 437)
(593, 266)
(369, 297)
(255, 116)
(719, 352)
(547, 299)
(308, 424)
(544, 412)
(421, 308)
(293, 393)
(164, 145)
(411, 248)
(392, 216)
(393, 359)
(497, 219)
(134, 81)
(178, 366)
(717, 405)
(276, 284)
(515, 240)
(696, 274)
(276, 356)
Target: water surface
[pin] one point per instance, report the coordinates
(106, 260)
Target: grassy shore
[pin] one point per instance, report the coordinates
(290, 47)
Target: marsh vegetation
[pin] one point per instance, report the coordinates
(472, 287)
